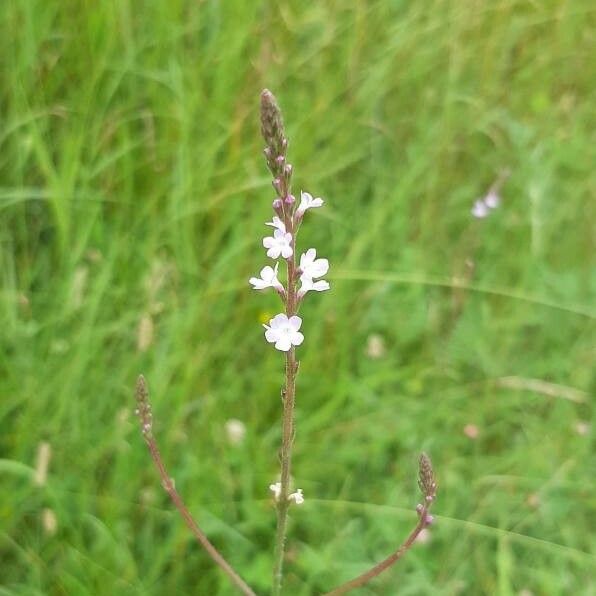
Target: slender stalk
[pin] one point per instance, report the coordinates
(428, 486)
(386, 563)
(272, 129)
(289, 399)
(144, 413)
(286, 463)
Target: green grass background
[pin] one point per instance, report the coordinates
(133, 194)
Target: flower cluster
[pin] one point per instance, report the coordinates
(482, 207)
(296, 497)
(283, 330)
(485, 205)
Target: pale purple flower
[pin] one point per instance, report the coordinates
(278, 244)
(284, 332)
(277, 224)
(308, 285)
(307, 202)
(312, 267)
(480, 209)
(492, 200)
(268, 279)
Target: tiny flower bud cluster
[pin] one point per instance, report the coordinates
(428, 486)
(143, 410)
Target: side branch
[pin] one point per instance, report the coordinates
(428, 486)
(145, 416)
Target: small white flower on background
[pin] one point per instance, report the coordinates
(297, 497)
(312, 267)
(308, 285)
(277, 224)
(284, 332)
(307, 202)
(278, 244)
(375, 346)
(492, 200)
(268, 279)
(235, 431)
(276, 490)
(480, 209)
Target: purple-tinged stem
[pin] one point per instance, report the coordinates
(273, 132)
(145, 416)
(386, 563)
(428, 486)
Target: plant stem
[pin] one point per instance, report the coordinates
(289, 398)
(286, 463)
(386, 563)
(144, 413)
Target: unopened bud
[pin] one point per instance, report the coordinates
(277, 185)
(290, 200)
(272, 126)
(426, 478)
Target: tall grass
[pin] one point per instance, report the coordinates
(132, 196)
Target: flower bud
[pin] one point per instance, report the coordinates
(272, 126)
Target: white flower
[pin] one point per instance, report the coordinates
(297, 497)
(308, 285)
(312, 267)
(268, 279)
(480, 209)
(277, 224)
(492, 200)
(307, 202)
(483, 206)
(278, 244)
(276, 490)
(283, 331)
(235, 431)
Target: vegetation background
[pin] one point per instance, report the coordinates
(133, 193)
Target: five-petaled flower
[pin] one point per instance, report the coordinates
(268, 279)
(284, 332)
(279, 244)
(312, 267)
(307, 202)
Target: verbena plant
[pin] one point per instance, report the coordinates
(283, 331)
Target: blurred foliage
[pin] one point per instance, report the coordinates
(132, 197)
